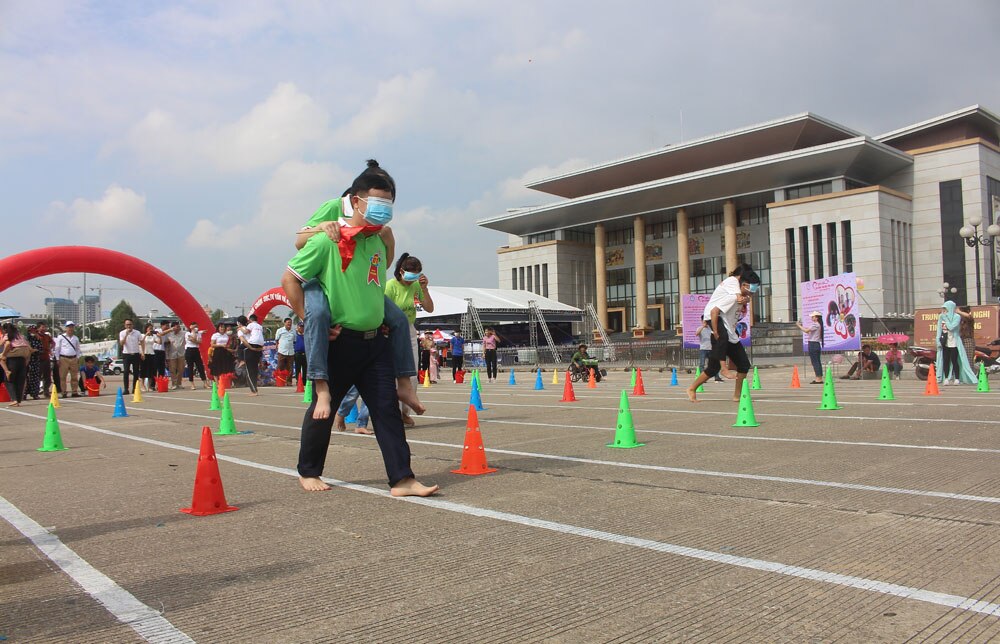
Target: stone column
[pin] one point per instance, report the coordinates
(641, 298)
(729, 225)
(683, 262)
(600, 266)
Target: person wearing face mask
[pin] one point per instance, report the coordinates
(727, 305)
(406, 289)
(329, 219)
(352, 274)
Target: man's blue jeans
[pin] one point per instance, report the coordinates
(317, 330)
(347, 404)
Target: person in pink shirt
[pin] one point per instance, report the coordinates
(490, 354)
(894, 360)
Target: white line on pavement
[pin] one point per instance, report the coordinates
(861, 583)
(145, 621)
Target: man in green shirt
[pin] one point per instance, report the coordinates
(352, 275)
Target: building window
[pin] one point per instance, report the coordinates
(804, 252)
(578, 236)
(751, 216)
(621, 237)
(809, 190)
(538, 279)
(831, 246)
(992, 191)
(851, 184)
(545, 280)
(656, 231)
(520, 272)
(670, 228)
(513, 278)
(541, 237)
(952, 245)
(845, 234)
(818, 250)
(706, 223)
(793, 278)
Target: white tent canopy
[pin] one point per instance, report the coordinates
(450, 300)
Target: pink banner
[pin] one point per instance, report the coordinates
(692, 308)
(836, 300)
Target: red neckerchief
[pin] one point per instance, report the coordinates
(347, 242)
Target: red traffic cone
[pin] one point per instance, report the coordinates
(932, 386)
(473, 453)
(300, 387)
(795, 378)
(208, 497)
(4, 396)
(639, 389)
(592, 383)
(568, 395)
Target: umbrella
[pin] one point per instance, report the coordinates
(890, 338)
(441, 336)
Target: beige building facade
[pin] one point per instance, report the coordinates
(798, 198)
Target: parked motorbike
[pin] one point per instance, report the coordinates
(989, 355)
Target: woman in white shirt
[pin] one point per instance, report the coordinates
(221, 360)
(147, 344)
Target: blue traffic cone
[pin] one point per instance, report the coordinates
(538, 381)
(673, 377)
(476, 400)
(511, 381)
(353, 416)
(120, 406)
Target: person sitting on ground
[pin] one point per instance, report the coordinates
(91, 371)
(867, 361)
(894, 360)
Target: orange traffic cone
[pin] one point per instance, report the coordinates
(300, 387)
(592, 383)
(208, 497)
(932, 386)
(473, 453)
(795, 378)
(639, 390)
(568, 395)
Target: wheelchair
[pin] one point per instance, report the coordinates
(577, 373)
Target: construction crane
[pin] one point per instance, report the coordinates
(65, 286)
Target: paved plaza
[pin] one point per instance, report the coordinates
(875, 522)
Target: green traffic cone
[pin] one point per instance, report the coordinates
(227, 427)
(625, 431)
(829, 395)
(984, 383)
(214, 405)
(632, 384)
(307, 397)
(697, 372)
(745, 417)
(756, 380)
(53, 439)
(886, 392)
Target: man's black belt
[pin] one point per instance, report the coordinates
(360, 335)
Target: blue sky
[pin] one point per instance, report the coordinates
(199, 135)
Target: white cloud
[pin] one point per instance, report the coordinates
(283, 126)
(119, 213)
(290, 195)
(541, 54)
(396, 103)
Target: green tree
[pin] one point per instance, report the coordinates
(217, 315)
(122, 311)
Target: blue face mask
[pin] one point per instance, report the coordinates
(378, 211)
(411, 277)
(754, 287)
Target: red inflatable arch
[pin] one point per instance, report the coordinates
(39, 262)
(267, 301)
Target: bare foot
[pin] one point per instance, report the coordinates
(323, 401)
(14, 404)
(253, 393)
(412, 487)
(363, 430)
(313, 484)
(408, 395)
(691, 395)
(409, 422)
(338, 423)
(736, 398)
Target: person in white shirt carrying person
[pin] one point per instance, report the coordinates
(192, 354)
(727, 304)
(129, 340)
(173, 343)
(251, 335)
(285, 339)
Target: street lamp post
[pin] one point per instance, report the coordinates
(973, 239)
(53, 307)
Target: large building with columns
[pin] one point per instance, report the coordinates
(798, 198)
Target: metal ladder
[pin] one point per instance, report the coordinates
(471, 321)
(535, 314)
(609, 350)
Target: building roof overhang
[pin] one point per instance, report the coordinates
(859, 157)
(794, 132)
(978, 120)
